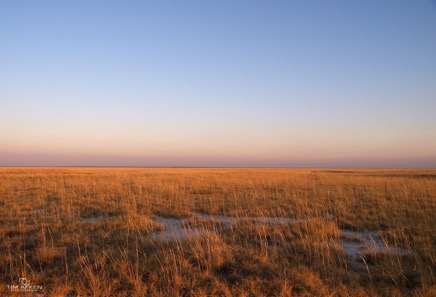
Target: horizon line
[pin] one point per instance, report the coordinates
(213, 167)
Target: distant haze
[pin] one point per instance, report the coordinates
(218, 83)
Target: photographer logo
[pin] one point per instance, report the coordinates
(24, 286)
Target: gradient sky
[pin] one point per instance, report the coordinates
(218, 83)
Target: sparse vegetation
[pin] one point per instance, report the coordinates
(92, 231)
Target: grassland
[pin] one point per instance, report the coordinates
(100, 231)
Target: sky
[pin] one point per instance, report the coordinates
(218, 83)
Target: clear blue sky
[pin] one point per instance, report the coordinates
(218, 83)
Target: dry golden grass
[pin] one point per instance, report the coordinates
(91, 231)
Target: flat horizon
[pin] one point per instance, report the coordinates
(221, 167)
